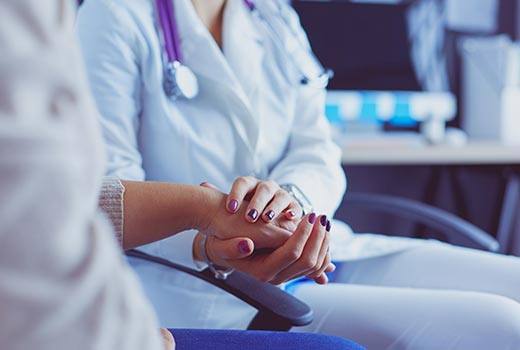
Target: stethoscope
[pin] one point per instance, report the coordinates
(181, 82)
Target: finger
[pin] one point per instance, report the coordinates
(294, 211)
(289, 252)
(168, 341)
(309, 256)
(330, 268)
(324, 256)
(289, 225)
(324, 264)
(270, 236)
(219, 250)
(239, 190)
(281, 201)
(322, 279)
(264, 193)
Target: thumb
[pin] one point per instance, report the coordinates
(230, 249)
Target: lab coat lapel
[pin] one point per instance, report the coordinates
(207, 61)
(199, 50)
(243, 45)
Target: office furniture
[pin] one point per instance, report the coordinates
(193, 339)
(475, 156)
(474, 153)
(277, 310)
(457, 230)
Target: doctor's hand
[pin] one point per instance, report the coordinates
(305, 253)
(266, 200)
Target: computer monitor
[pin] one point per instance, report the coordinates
(366, 44)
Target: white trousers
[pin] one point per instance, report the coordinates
(433, 296)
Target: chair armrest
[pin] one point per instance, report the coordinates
(277, 310)
(454, 227)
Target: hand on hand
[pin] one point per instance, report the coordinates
(305, 253)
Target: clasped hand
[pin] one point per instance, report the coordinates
(258, 229)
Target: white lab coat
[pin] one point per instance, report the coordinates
(247, 120)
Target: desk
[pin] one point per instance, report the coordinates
(391, 153)
(475, 153)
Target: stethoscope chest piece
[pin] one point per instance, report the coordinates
(180, 81)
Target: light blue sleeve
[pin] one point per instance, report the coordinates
(108, 39)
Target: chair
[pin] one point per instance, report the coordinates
(457, 230)
(280, 311)
(277, 310)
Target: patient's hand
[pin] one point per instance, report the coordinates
(262, 199)
(224, 225)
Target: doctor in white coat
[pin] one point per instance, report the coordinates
(252, 117)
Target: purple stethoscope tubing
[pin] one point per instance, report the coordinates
(166, 14)
(179, 80)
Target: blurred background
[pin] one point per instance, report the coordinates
(425, 104)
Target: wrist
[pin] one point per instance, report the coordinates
(208, 255)
(197, 254)
(208, 203)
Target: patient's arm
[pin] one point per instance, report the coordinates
(154, 210)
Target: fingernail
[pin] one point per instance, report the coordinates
(312, 218)
(328, 226)
(291, 213)
(253, 214)
(233, 205)
(243, 247)
(270, 215)
(323, 220)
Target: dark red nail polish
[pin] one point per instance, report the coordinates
(312, 218)
(233, 205)
(244, 248)
(270, 215)
(323, 220)
(253, 214)
(328, 226)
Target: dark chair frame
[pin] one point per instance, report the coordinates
(277, 310)
(280, 311)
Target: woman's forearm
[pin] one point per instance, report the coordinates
(154, 210)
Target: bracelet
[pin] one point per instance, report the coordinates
(219, 273)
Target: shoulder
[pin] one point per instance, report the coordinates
(283, 10)
(116, 23)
